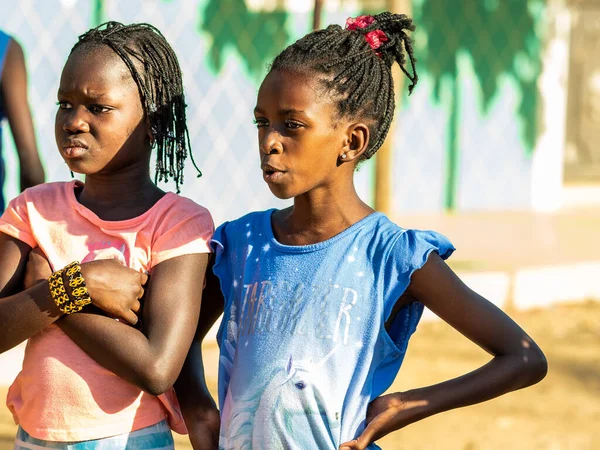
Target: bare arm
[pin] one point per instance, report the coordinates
(199, 409)
(150, 359)
(22, 313)
(517, 361)
(14, 96)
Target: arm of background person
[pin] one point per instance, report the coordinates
(197, 405)
(150, 359)
(16, 106)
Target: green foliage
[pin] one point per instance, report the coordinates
(499, 36)
(256, 37)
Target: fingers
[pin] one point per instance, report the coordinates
(143, 278)
(131, 317)
(368, 435)
(359, 443)
(351, 445)
(136, 307)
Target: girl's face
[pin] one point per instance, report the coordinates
(100, 124)
(299, 145)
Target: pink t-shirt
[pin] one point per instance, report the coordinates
(62, 394)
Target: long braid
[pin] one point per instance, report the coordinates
(358, 77)
(156, 72)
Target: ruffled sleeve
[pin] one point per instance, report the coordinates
(408, 254)
(221, 267)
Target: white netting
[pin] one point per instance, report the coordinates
(494, 168)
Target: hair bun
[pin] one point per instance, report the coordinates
(387, 34)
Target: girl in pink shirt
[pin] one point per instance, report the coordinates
(89, 380)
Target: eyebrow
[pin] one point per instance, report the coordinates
(291, 111)
(283, 112)
(89, 94)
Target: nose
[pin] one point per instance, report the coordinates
(74, 121)
(270, 142)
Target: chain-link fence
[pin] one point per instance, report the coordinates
(462, 140)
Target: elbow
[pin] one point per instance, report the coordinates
(534, 366)
(157, 380)
(541, 368)
(155, 387)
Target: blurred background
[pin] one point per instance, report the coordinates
(498, 148)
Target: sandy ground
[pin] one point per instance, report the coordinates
(562, 412)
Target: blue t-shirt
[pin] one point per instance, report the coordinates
(303, 343)
(4, 41)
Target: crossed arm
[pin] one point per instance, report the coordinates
(23, 313)
(150, 359)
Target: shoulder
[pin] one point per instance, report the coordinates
(180, 226)
(180, 207)
(384, 229)
(175, 212)
(34, 208)
(10, 50)
(249, 222)
(5, 39)
(55, 191)
(242, 231)
(378, 233)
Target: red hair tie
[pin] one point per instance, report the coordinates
(375, 38)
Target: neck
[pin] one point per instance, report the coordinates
(321, 214)
(120, 195)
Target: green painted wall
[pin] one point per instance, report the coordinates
(502, 38)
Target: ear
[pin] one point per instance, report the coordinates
(355, 144)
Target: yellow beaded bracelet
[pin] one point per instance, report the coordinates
(57, 289)
(79, 295)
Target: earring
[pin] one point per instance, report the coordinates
(343, 156)
(154, 132)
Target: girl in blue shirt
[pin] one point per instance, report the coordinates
(320, 298)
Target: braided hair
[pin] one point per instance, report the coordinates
(155, 69)
(357, 76)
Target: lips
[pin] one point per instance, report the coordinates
(272, 174)
(74, 149)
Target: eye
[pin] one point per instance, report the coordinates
(98, 109)
(63, 105)
(293, 125)
(260, 122)
(300, 385)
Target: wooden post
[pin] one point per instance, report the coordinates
(317, 15)
(384, 156)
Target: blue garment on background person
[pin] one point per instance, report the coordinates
(303, 344)
(4, 41)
